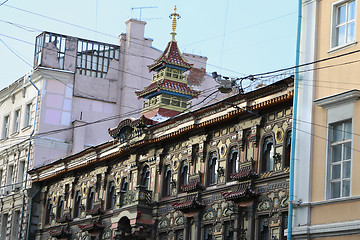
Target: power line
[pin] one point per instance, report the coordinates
(3, 3)
(13, 51)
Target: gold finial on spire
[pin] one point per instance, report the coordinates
(174, 16)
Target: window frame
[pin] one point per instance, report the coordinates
(16, 121)
(27, 115)
(77, 204)
(167, 181)
(6, 126)
(339, 107)
(263, 166)
(145, 177)
(111, 196)
(212, 173)
(230, 162)
(334, 13)
(341, 162)
(183, 175)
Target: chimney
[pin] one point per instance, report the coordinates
(135, 29)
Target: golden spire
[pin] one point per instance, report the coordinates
(174, 16)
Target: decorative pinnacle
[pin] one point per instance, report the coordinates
(174, 16)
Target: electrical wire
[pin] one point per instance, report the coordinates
(13, 51)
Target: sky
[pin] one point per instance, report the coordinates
(238, 37)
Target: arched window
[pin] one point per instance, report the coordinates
(111, 196)
(268, 155)
(90, 199)
(233, 163)
(184, 174)
(145, 180)
(195, 156)
(60, 207)
(287, 149)
(48, 212)
(167, 181)
(124, 184)
(213, 164)
(77, 204)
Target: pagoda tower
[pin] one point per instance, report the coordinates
(169, 92)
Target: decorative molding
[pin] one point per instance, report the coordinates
(338, 99)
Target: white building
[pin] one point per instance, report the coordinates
(85, 87)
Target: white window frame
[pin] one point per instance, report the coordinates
(339, 108)
(16, 121)
(333, 37)
(6, 126)
(27, 115)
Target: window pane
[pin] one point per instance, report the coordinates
(336, 153)
(351, 32)
(347, 151)
(348, 126)
(335, 189)
(341, 14)
(351, 11)
(337, 132)
(346, 188)
(347, 169)
(340, 35)
(335, 173)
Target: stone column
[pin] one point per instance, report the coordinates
(251, 220)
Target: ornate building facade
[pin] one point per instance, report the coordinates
(219, 172)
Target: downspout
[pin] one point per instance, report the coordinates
(28, 157)
(293, 130)
(30, 213)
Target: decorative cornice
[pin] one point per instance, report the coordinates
(338, 99)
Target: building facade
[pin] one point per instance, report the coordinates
(326, 193)
(80, 89)
(219, 172)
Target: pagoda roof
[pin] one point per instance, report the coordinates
(193, 185)
(168, 85)
(244, 192)
(245, 173)
(171, 56)
(188, 205)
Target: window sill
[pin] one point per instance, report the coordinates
(336, 200)
(14, 134)
(342, 47)
(26, 128)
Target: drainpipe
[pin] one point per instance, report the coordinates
(28, 156)
(30, 213)
(293, 132)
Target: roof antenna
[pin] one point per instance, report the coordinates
(141, 8)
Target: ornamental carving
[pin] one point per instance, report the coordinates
(264, 205)
(208, 215)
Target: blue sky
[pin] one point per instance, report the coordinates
(238, 37)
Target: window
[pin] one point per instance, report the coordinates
(213, 169)
(60, 208)
(229, 231)
(21, 169)
(287, 149)
(48, 212)
(124, 184)
(208, 232)
(343, 30)
(233, 163)
(111, 196)
(194, 156)
(9, 179)
(15, 224)
(27, 120)
(145, 180)
(167, 181)
(90, 199)
(4, 222)
(16, 121)
(51, 42)
(340, 156)
(179, 234)
(264, 230)
(77, 204)
(184, 174)
(6, 127)
(267, 163)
